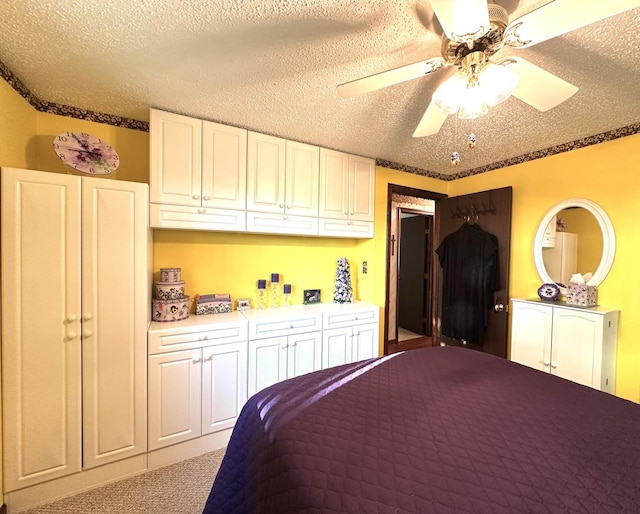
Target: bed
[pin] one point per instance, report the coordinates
(440, 429)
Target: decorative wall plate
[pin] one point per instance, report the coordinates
(549, 292)
(86, 153)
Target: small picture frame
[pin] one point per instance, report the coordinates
(311, 296)
(243, 304)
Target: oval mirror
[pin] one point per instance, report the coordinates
(547, 240)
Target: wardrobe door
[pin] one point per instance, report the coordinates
(114, 319)
(40, 326)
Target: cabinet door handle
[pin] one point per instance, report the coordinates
(204, 338)
(87, 316)
(196, 197)
(288, 207)
(285, 345)
(87, 333)
(202, 211)
(196, 360)
(206, 197)
(210, 358)
(554, 365)
(546, 362)
(70, 336)
(71, 319)
(281, 206)
(499, 307)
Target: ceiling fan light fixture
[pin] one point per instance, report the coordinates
(450, 93)
(497, 82)
(473, 103)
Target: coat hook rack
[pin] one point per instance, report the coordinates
(471, 213)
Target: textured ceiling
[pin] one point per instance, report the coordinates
(273, 66)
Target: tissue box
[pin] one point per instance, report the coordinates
(213, 303)
(582, 295)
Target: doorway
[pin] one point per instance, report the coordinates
(489, 209)
(409, 302)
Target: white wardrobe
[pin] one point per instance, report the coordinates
(75, 309)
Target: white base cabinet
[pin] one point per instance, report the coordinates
(75, 310)
(290, 341)
(200, 387)
(575, 343)
(275, 359)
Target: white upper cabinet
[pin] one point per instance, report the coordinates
(208, 176)
(302, 179)
(175, 159)
(265, 173)
(347, 194)
(282, 176)
(282, 186)
(224, 166)
(198, 173)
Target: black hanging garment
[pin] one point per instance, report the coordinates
(469, 260)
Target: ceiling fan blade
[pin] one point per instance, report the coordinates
(539, 88)
(559, 17)
(389, 78)
(431, 121)
(462, 20)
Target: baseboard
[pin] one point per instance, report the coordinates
(32, 496)
(188, 449)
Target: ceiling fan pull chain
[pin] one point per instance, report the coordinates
(472, 139)
(455, 156)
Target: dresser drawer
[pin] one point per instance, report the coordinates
(350, 316)
(196, 335)
(283, 326)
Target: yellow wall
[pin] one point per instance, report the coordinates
(18, 124)
(218, 262)
(26, 139)
(607, 174)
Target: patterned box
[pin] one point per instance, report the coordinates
(213, 303)
(582, 295)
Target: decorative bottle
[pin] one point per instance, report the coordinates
(274, 288)
(262, 294)
(286, 295)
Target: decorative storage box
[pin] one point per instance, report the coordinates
(170, 274)
(169, 290)
(170, 310)
(582, 295)
(213, 303)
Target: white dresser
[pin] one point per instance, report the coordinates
(575, 343)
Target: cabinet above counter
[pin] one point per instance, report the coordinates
(208, 176)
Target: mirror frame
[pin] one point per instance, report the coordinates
(608, 238)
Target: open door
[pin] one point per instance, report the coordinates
(491, 211)
(414, 272)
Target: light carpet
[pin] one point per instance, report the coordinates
(180, 488)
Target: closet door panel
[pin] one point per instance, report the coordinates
(40, 326)
(114, 319)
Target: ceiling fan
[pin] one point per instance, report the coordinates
(474, 32)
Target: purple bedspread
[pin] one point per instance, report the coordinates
(441, 430)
